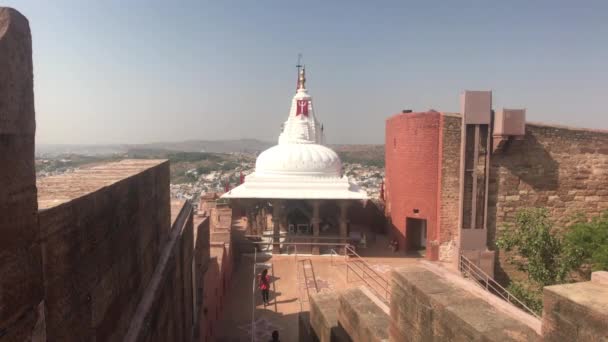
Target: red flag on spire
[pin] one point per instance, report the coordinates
(302, 107)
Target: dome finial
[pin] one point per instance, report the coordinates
(301, 84)
(302, 78)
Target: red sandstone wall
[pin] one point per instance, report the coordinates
(20, 261)
(412, 171)
(564, 170)
(100, 251)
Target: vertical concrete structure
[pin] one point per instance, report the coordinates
(476, 108)
(21, 291)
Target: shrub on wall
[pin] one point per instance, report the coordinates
(549, 257)
(587, 242)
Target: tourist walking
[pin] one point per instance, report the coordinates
(275, 336)
(264, 284)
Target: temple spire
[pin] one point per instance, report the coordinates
(302, 78)
(301, 83)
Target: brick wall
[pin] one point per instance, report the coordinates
(449, 187)
(412, 171)
(102, 233)
(562, 169)
(21, 291)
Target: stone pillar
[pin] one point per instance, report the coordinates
(21, 282)
(343, 219)
(316, 221)
(277, 220)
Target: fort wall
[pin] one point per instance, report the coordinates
(562, 169)
(167, 311)
(102, 231)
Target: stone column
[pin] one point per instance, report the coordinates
(277, 220)
(343, 219)
(21, 282)
(316, 221)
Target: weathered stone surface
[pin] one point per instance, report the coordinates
(165, 312)
(449, 180)
(361, 317)
(600, 277)
(324, 317)
(426, 307)
(16, 75)
(562, 169)
(21, 289)
(102, 232)
(575, 312)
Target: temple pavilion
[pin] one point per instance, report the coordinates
(300, 181)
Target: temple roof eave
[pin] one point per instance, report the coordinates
(310, 188)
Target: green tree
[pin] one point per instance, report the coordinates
(539, 251)
(586, 242)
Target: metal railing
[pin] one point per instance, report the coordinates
(377, 280)
(470, 269)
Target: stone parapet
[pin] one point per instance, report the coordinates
(102, 233)
(576, 312)
(426, 307)
(363, 316)
(324, 308)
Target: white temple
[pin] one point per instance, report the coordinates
(300, 166)
(301, 182)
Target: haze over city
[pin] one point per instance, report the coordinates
(145, 71)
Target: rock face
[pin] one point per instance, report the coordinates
(21, 290)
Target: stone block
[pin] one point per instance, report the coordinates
(324, 317)
(362, 316)
(575, 312)
(427, 307)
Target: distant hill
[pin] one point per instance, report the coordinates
(212, 146)
(364, 154)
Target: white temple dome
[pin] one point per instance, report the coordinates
(300, 160)
(299, 166)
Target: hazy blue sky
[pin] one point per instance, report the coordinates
(143, 71)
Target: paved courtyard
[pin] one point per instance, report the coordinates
(240, 320)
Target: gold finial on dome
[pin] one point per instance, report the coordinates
(302, 78)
